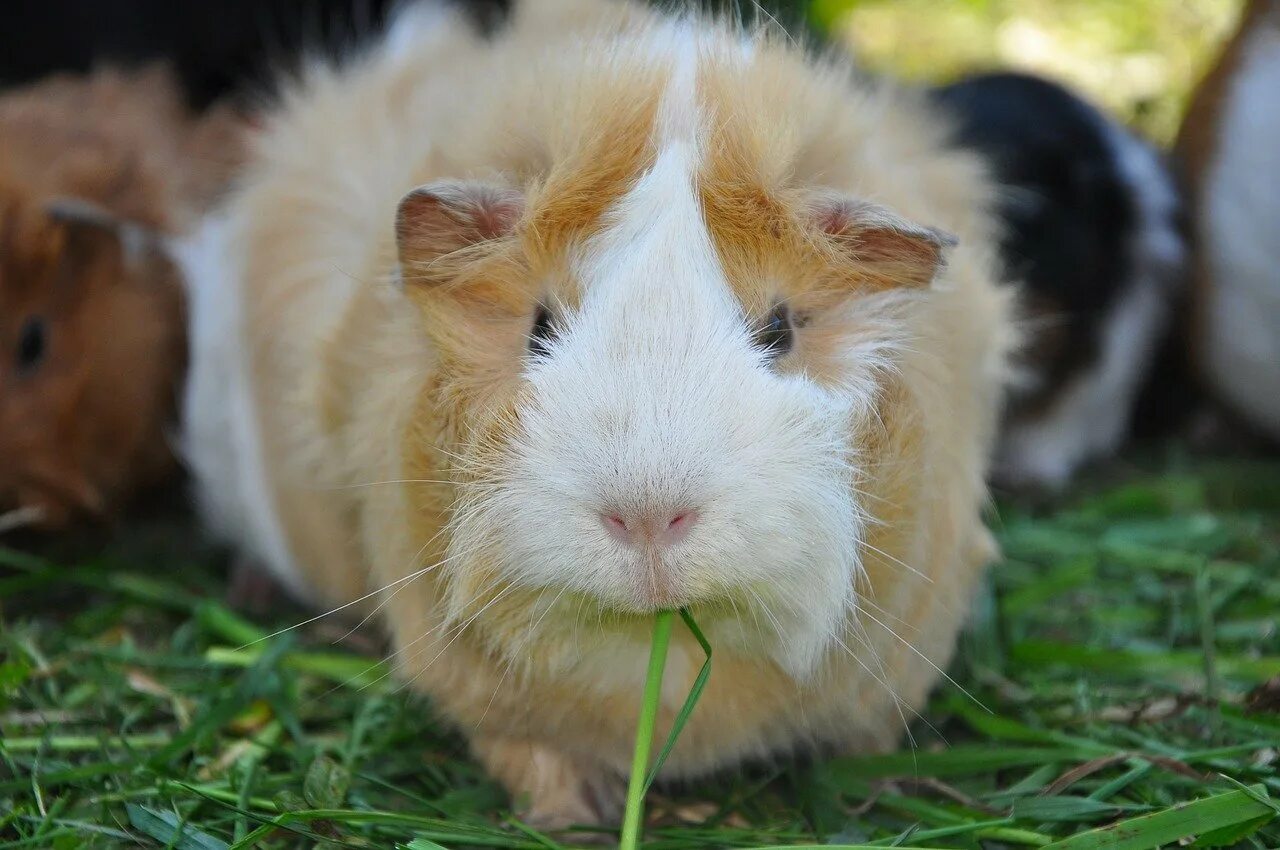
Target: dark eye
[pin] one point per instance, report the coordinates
(775, 337)
(542, 332)
(32, 342)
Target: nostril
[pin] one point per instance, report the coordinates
(649, 529)
(616, 525)
(678, 526)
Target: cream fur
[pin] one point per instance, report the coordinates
(833, 494)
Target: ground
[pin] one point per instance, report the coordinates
(1114, 671)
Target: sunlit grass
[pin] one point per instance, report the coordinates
(1137, 58)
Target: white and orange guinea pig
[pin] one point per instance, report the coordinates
(612, 313)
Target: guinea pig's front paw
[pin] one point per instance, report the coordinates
(553, 791)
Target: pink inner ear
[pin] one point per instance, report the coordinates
(890, 247)
(443, 217)
(497, 217)
(833, 219)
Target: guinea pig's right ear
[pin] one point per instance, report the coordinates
(880, 246)
(441, 219)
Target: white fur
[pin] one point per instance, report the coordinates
(655, 398)
(418, 26)
(220, 439)
(1240, 231)
(1090, 417)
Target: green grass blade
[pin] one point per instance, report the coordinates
(644, 730)
(1212, 814)
(695, 693)
(169, 830)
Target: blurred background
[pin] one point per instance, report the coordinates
(1137, 58)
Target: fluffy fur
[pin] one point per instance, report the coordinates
(94, 173)
(656, 187)
(1228, 142)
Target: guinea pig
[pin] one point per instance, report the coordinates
(1090, 217)
(1232, 160)
(519, 342)
(95, 173)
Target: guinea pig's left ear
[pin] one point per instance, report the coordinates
(442, 218)
(90, 226)
(881, 246)
(78, 212)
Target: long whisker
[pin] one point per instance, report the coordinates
(533, 628)
(387, 659)
(458, 631)
(341, 607)
(898, 561)
(898, 703)
(928, 661)
(866, 600)
(419, 573)
(388, 481)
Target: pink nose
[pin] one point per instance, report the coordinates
(650, 529)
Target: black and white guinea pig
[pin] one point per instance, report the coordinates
(1093, 238)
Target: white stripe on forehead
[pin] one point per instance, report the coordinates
(653, 252)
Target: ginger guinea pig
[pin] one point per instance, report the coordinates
(1091, 236)
(91, 328)
(615, 313)
(95, 173)
(1229, 147)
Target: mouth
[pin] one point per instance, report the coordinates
(656, 588)
(645, 599)
(53, 499)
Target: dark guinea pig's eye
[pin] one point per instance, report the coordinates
(775, 337)
(542, 332)
(32, 341)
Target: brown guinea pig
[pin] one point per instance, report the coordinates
(95, 174)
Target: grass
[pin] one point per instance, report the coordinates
(1138, 59)
(1111, 657)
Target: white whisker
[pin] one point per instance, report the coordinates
(927, 660)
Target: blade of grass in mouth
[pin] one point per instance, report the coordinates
(641, 779)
